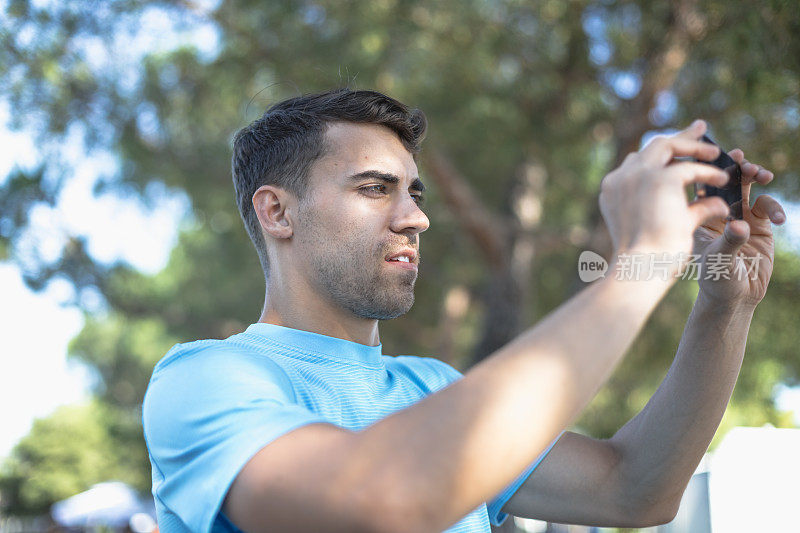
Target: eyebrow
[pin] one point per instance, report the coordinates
(416, 185)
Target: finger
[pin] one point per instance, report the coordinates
(708, 211)
(746, 186)
(734, 236)
(662, 150)
(767, 207)
(750, 171)
(723, 252)
(695, 130)
(764, 176)
(689, 172)
(756, 173)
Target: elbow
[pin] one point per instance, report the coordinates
(659, 517)
(657, 512)
(639, 508)
(647, 503)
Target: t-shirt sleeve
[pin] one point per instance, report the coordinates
(205, 415)
(494, 506)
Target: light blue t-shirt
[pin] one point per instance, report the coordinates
(212, 404)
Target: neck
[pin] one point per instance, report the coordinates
(301, 308)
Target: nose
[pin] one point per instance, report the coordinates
(408, 217)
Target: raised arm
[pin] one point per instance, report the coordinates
(638, 477)
(425, 467)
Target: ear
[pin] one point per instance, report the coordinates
(273, 207)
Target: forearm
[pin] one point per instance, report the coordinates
(662, 446)
(462, 445)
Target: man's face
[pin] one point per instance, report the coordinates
(360, 210)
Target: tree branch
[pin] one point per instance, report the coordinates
(488, 232)
(686, 26)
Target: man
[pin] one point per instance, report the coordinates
(301, 423)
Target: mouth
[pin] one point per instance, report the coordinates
(405, 258)
(404, 264)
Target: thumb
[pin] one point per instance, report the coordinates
(721, 254)
(733, 238)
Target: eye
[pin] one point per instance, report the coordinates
(381, 189)
(374, 188)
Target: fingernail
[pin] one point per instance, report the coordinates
(778, 218)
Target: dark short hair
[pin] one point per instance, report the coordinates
(280, 147)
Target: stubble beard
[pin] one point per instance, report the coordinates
(365, 292)
(356, 279)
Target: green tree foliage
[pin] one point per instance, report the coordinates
(530, 104)
(62, 455)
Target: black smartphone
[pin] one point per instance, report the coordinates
(732, 192)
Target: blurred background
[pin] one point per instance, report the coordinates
(119, 235)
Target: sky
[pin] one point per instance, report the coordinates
(35, 328)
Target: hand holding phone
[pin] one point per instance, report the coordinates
(732, 191)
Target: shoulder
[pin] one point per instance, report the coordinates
(217, 360)
(209, 407)
(209, 375)
(436, 374)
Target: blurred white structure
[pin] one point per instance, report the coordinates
(112, 504)
(750, 483)
(755, 481)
